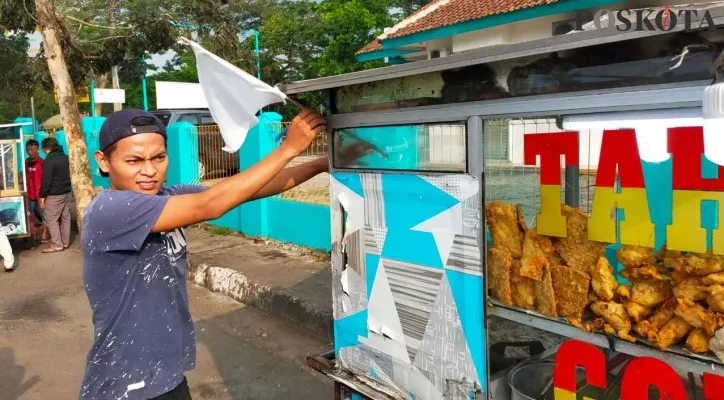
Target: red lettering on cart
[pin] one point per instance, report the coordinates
(686, 146)
(550, 147)
(620, 150)
(639, 375)
(644, 372)
(713, 387)
(619, 157)
(573, 354)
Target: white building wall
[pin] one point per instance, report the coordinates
(539, 28)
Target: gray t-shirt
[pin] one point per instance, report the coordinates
(144, 337)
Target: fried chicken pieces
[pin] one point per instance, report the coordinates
(673, 297)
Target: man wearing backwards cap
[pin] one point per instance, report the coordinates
(134, 252)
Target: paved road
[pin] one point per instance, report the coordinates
(46, 330)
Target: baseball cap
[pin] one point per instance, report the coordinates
(120, 125)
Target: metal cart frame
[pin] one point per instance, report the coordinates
(643, 98)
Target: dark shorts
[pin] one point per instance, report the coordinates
(181, 392)
(34, 207)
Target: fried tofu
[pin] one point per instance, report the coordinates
(499, 271)
(536, 250)
(523, 288)
(576, 250)
(695, 264)
(504, 221)
(623, 292)
(650, 327)
(545, 299)
(635, 256)
(636, 311)
(615, 315)
(713, 279)
(596, 325)
(715, 298)
(698, 341)
(689, 287)
(696, 315)
(603, 281)
(650, 293)
(674, 330)
(571, 291)
(645, 272)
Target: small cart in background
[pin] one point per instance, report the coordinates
(17, 221)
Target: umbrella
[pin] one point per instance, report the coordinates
(54, 122)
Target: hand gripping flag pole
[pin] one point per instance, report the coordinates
(233, 96)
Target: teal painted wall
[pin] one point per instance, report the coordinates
(91, 127)
(299, 223)
(183, 153)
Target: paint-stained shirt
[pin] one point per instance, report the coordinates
(144, 338)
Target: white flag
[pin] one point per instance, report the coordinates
(234, 97)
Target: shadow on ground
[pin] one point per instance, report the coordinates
(16, 383)
(269, 364)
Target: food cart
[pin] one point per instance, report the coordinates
(15, 219)
(580, 198)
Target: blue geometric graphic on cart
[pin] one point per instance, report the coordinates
(372, 262)
(348, 330)
(409, 201)
(351, 180)
(467, 291)
(422, 274)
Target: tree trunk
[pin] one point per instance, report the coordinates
(114, 70)
(77, 151)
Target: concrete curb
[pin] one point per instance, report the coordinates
(274, 301)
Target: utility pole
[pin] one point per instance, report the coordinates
(114, 70)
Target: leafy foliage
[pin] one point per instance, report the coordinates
(299, 39)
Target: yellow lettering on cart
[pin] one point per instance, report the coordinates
(561, 394)
(685, 232)
(636, 226)
(550, 221)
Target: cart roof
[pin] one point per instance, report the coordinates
(497, 53)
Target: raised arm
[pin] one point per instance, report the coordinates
(189, 209)
(292, 177)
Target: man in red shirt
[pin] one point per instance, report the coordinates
(34, 171)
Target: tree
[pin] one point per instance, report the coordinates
(48, 22)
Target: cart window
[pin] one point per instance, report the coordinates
(429, 147)
(668, 58)
(508, 179)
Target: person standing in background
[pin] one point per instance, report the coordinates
(34, 171)
(56, 195)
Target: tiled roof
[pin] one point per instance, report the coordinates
(439, 13)
(457, 11)
(370, 47)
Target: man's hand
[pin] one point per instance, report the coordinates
(302, 131)
(41, 203)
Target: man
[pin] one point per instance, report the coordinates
(56, 195)
(34, 171)
(134, 252)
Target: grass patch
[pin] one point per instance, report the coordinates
(217, 230)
